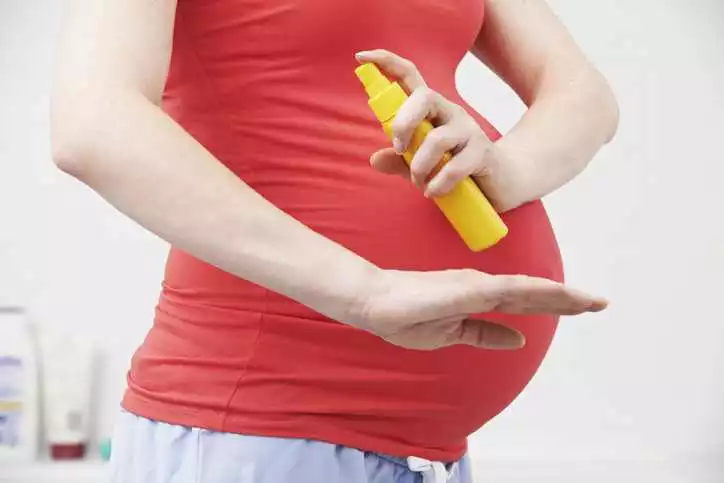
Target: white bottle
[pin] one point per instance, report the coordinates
(66, 387)
(19, 413)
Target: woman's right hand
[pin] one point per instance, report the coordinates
(430, 310)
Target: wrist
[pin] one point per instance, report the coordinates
(349, 286)
(506, 183)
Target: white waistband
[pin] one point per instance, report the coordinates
(432, 471)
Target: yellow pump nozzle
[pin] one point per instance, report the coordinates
(373, 80)
(385, 96)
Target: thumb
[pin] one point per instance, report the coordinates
(489, 335)
(389, 162)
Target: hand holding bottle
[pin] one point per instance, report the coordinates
(455, 132)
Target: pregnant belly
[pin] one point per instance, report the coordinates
(275, 374)
(251, 361)
(298, 366)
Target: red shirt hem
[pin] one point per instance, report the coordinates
(296, 427)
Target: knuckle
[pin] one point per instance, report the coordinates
(511, 284)
(408, 65)
(561, 290)
(484, 153)
(469, 281)
(400, 125)
(418, 170)
(520, 280)
(482, 143)
(445, 181)
(429, 95)
(437, 138)
(454, 172)
(457, 110)
(469, 275)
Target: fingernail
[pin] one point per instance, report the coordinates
(507, 342)
(415, 182)
(397, 144)
(517, 342)
(521, 341)
(599, 306)
(362, 53)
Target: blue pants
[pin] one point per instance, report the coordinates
(147, 451)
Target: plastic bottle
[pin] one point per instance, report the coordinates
(105, 448)
(467, 209)
(68, 363)
(19, 412)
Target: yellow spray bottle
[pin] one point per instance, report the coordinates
(467, 209)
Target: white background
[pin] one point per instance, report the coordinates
(634, 394)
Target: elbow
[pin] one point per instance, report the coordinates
(84, 130)
(609, 110)
(615, 118)
(72, 134)
(601, 103)
(585, 90)
(67, 154)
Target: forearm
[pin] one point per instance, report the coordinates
(149, 168)
(572, 111)
(558, 136)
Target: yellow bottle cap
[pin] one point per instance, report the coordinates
(373, 80)
(386, 97)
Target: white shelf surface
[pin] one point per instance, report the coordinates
(56, 472)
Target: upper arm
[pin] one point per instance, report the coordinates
(528, 47)
(109, 51)
(110, 45)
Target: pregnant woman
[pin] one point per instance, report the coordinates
(320, 321)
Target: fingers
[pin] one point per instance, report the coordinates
(389, 162)
(459, 292)
(394, 65)
(453, 132)
(428, 156)
(530, 295)
(473, 292)
(488, 335)
(473, 159)
(428, 310)
(423, 103)
(468, 161)
(455, 330)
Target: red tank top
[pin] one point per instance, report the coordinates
(269, 88)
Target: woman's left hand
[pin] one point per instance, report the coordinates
(456, 132)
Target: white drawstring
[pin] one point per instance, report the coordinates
(432, 471)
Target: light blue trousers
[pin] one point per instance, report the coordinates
(147, 451)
